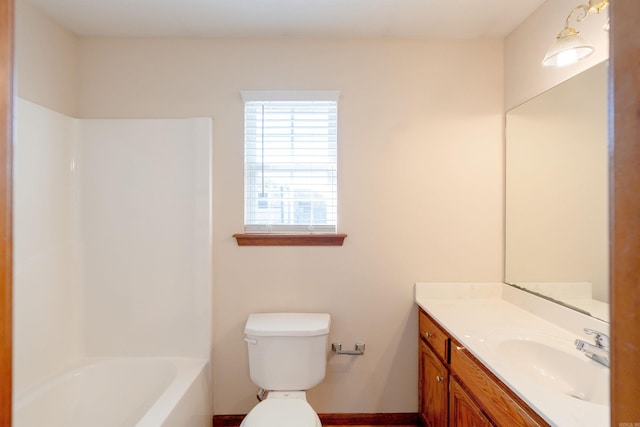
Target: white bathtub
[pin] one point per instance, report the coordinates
(132, 392)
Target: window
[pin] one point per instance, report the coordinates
(290, 162)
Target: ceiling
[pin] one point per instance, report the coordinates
(422, 19)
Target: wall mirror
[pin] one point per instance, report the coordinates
(556, 188)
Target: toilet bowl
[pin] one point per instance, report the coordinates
(283, 409)
(287, 356)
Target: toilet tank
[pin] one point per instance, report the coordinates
(287, 351)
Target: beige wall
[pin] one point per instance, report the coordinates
(420, 189)
(525, 47)
(525, 78)
(46, 61)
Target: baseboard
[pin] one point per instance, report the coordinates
(378, 419)
(227, 420)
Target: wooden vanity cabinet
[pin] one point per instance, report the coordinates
(457, 390)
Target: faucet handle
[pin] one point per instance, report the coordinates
(602, 339)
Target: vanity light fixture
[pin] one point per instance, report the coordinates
(569, 47)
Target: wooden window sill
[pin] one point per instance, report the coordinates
(290, 239)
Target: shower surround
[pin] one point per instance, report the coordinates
(112, 240)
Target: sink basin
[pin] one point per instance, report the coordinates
(554, 363)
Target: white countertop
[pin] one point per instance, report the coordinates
(475, 313)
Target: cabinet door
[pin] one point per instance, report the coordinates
(463, 411)
(434, 390)
(497, 400)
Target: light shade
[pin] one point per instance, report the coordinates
(568, 49)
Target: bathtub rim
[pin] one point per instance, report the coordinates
(187, 370)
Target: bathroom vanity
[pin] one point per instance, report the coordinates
(449, 373)
(490, 354)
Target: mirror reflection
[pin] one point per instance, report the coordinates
(557, 193)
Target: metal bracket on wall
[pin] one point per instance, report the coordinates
(359, 349)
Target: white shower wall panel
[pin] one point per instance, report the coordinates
(47, 293)
(145, 195)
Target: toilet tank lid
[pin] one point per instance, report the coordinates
(287, 324)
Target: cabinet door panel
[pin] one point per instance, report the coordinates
(499, 402)
(434, 390)
(463, 410)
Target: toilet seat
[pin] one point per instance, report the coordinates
(282, 411)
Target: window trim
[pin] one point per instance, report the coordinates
(255, 239)
(289, 238)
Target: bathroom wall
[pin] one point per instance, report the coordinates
(524, 48)
(47, 292)
(144, 198)
(420, 188)
(46, 60)
(525, 78)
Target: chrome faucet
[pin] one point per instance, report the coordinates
(598, 351)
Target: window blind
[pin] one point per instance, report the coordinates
(290, 162)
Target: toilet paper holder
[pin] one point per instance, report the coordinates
(336, 347)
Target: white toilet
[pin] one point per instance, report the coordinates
(287, 355)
